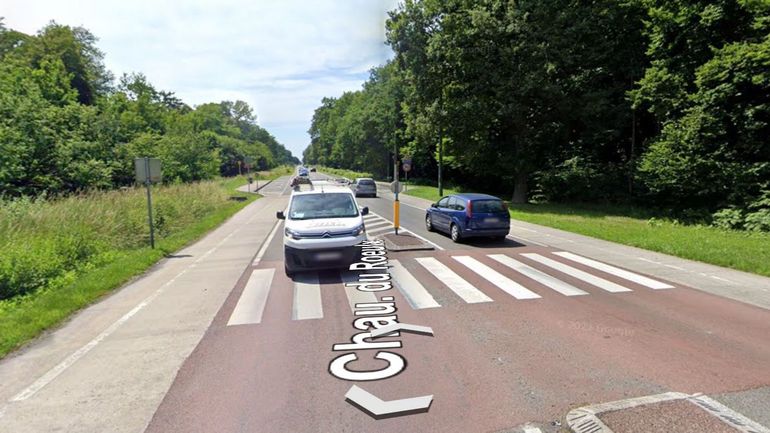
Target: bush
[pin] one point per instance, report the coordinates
(579, 179)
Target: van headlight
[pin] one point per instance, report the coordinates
(292, 234)
(358, 230)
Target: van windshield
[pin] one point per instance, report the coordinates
(323, 205)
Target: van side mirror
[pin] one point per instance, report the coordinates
(365, 211)
(280, 215)
(433, 205)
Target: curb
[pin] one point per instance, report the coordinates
(585, 419)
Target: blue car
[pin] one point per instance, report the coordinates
(469, 215)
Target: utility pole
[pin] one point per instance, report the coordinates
(396, 204)
(441, 144)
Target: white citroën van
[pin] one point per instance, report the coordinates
(322, 227)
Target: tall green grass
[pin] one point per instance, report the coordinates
(57, 256)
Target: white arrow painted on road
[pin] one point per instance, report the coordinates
(424, 330)
(378, 408)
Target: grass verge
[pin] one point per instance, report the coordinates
(113, 260)
(428, 192)
(745, 251)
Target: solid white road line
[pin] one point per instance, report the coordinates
(457, 284)
(532, 430)
(250, 306)
(414, 292)
(307, 297)
(506, 284)
(354, 295)
(542, 278)
(269, 239)
(622, 273)
(577, 273)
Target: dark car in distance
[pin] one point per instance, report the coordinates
(469, 215)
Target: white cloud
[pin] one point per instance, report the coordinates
(282, 57)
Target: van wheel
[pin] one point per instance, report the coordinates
(454, 232)
(428, 223)
(289, 272)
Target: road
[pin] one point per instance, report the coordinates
(521, 335)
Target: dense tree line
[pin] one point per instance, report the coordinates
(67, 125)
(661, 102)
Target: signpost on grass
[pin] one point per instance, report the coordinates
(147, 171)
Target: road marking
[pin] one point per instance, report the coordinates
(577, 273)
(251, 305)
(269, 239)
(380, 230)
(542, 278)
(414, 292)
(378, 408)
(354, 295)
(506, 284)
(532, 430)
(457, 284)
(406, 327)
(530, 241)
(307, 297)
(371, 226)
(622, 273)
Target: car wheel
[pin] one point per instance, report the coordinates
(428, 223)
(454, 232)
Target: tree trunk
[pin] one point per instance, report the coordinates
(519, 189)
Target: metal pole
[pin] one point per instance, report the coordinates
(396, 204)
(149, 202)
(440, 162)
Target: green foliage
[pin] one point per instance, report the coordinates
(64, 126)
(44, 240)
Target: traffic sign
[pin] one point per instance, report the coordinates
(406, 164)
(396, 187)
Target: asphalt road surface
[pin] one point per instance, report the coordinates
(521, 334)
(507, 337)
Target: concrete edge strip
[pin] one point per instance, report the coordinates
(267, 241)
(585, 419)
(727, 415)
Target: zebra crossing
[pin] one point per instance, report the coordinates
(515, 277)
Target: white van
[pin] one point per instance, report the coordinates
(322, 228)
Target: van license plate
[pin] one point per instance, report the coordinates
(328, 256)
(491, 220)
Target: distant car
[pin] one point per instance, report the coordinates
(364, 186)
(469, 215)
(341, 181)
(302, 171)
(312, 169)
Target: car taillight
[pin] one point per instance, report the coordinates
(469, 209)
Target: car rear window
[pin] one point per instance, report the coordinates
(366, 182)
(488, 206)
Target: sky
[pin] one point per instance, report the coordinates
(280, 56)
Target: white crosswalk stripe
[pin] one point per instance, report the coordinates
(504, 283)
(542, 278)
(378, 223)
(380, 230)
(250, 306)
(462, 288)
(622, 273)
(577, 273)
(307, 297)
(414, 292)
(354, 295)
